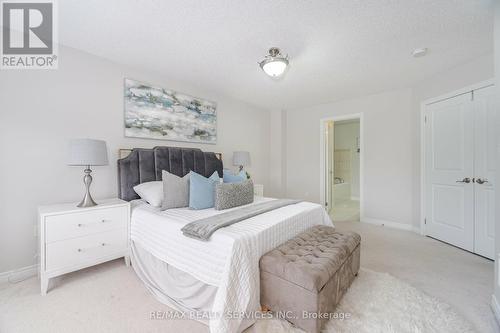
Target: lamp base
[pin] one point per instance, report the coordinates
(87, 200)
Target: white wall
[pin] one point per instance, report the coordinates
(345, 138)
(40, 110)
(277, 155)
(392, 143)
(387, 153)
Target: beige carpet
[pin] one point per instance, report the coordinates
(106, 298)
(459, 278)
(110, 298)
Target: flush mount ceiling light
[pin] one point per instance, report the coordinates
(417, 53)
(274, 64)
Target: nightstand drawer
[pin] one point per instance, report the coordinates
(86, 250)
(66, 226)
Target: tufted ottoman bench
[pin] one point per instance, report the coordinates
(309, 274)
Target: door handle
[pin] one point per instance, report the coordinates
(481, 181)
(465, 180)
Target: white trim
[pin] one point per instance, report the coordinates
(465, 90)
(495, 307)
(389, 224)
(322, 182)
(423, 105)
(422, 170)
(18, 274)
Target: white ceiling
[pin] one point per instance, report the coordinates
(338, 48)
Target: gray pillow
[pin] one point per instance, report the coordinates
(229, 195)
(175, 191)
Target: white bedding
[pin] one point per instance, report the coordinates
(230, 259)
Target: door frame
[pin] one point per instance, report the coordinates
(322, 158)
(423, 109)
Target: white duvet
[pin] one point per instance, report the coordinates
(230, 259)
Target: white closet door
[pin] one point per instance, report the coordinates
(449, 162)
(485, 123)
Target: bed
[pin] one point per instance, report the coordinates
(214, 281)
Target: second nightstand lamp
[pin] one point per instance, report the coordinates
(87, 152)
(241, 159)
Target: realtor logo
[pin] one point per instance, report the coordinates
(28, 35)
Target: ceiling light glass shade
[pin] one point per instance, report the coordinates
(274, 68)
(275, 63)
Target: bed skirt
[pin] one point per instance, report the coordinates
(172, 286)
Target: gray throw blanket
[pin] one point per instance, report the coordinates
(204, 228)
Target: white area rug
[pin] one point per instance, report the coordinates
(110, 298)
(379, 302)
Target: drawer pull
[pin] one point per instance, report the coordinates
(102, 244)
(101, 221)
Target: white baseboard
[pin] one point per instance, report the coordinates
(18, 274)
(417, 230)
(495, 307)
(390, 224)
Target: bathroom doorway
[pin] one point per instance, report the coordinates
(342, 167)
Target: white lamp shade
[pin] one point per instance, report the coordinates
(87, 152)
(241, 158)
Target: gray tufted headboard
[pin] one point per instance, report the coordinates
(145, 165)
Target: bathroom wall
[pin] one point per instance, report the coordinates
(346, 134)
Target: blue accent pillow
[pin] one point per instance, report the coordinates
(230, 177)
(202, 190)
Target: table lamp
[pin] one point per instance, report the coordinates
(87, 152)
(241, 159)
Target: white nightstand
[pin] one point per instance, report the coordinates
(258, 190)
(73, 238)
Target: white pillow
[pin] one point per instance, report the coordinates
(152, 192)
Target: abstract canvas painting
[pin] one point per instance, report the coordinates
(156, 113)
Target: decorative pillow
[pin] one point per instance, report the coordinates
(152, 192)
(230, 177)
(202, 190)
(175, 190)
(233, 194)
